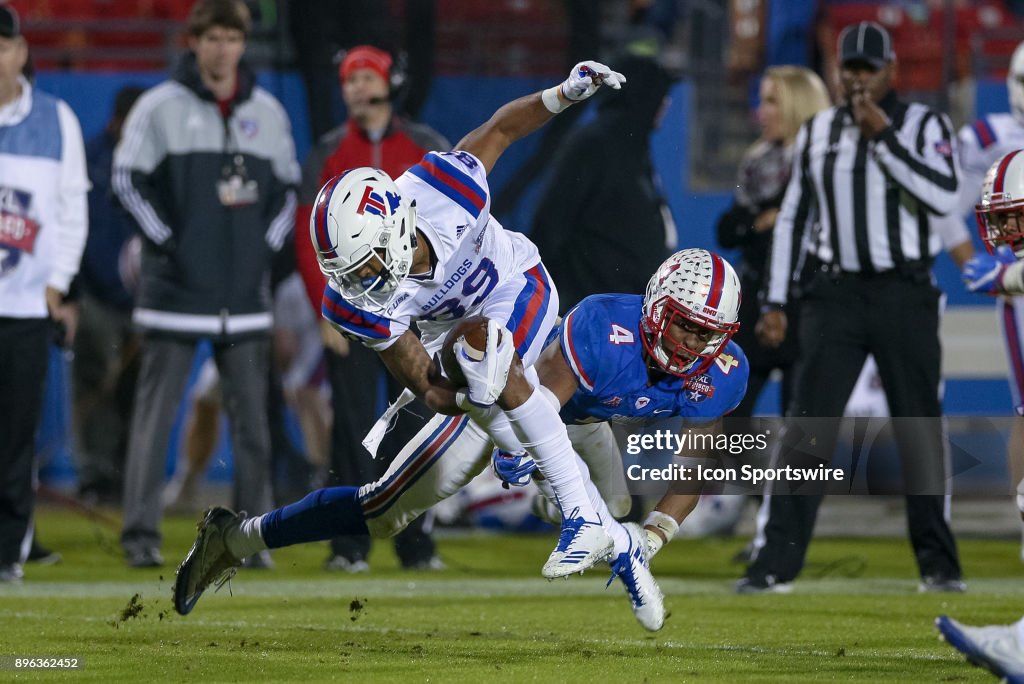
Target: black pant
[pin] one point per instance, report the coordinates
(360, 386)
(24, 350)
(845, 317)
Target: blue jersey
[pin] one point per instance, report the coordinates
(600, 340)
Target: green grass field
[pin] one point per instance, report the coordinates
(855, 616)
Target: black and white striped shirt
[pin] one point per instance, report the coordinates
(872, 200)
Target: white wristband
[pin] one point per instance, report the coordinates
(552, 99)
(665, 524)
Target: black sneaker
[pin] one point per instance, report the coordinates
(144, 557)
(762, 585)
(41, 555)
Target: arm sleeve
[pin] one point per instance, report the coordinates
(923, 163)
(973, 165)
(73, 211)
(787, 236)
(374, 331)
(286, 177)
(581, 338)
(136, 158)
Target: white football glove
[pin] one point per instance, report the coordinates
(586, 77)
(487, 377)
(584, 80)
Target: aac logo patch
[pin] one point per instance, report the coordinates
(698, 389)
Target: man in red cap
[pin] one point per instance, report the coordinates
(373, 136)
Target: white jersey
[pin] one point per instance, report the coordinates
(478, 268)
(981, 145)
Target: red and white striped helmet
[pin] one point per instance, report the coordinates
(360, 217)
(1000, 213)
(696, 290)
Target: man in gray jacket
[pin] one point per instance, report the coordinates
(206, 166)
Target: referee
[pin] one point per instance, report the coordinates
(872, 173)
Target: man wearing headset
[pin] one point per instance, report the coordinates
(374, 135)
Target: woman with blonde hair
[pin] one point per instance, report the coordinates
(789, 96)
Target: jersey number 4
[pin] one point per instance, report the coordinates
(726, 362)
(620, 335)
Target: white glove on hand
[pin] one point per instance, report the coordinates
(487, 377)
(584, 80)
(586, 77)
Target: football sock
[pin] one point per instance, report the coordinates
(494, 422)
(541, 432)
(245, 540)
(321, 515)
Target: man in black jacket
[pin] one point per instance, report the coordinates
(206, 166)
(601, 223)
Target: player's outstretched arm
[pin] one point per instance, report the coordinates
(410, 364)
(523, 116)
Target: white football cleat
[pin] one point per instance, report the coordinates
(580, 544)
(644, 593)
(995, 647)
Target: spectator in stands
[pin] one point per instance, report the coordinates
(106, 346)
(43, 228)
(789, 96)
(207, 167)
(602, 222)
(373, 136)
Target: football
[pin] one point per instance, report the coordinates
(474, 329)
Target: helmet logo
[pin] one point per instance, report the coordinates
(666, 273)
(371, 202)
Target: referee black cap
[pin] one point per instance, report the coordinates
(866, 42)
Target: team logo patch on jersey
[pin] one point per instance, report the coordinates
(944, 147)
(612, 402)
(249, 127)
(698, 389)
(18, 232)
(641, 402)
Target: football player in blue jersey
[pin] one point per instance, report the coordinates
(615, 357)
(638, 359)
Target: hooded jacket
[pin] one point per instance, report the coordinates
(214, 197)
(602, 224)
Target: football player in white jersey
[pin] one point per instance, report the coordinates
(981, 145)
(1000, 648)
(424, 248)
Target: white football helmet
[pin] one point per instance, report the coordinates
(700, 292)
(360, 218)
(1000, 213)
(1015, 83)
